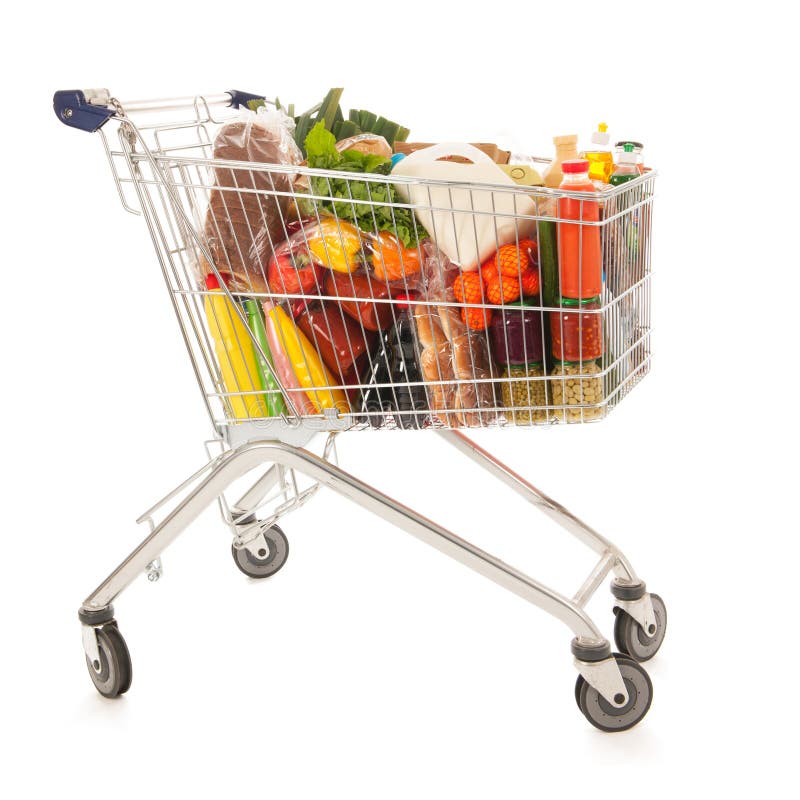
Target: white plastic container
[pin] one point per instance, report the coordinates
(468, 224)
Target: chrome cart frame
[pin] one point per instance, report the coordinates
(613, 690)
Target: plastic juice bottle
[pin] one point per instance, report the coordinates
(627, 169)
(566, 149)
(273, 399)
(580, 260)
(600, 158)
(234, 348)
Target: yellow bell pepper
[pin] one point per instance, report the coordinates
(307, 364)
(336, 245)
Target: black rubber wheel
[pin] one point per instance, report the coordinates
(578, 685)
(112, 675)
(605, 716)
(268, 562)
(632, 640)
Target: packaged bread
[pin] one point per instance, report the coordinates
(243, 208)
(435, 362)
(472, 368)
(369, 143)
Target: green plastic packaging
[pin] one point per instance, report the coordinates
(273, 397)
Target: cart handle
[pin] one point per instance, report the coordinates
(90, 109)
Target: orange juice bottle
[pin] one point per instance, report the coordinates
(580, 260)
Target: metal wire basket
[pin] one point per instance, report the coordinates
(209, 215)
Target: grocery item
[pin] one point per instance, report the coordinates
(516, 339)
(240, 208)
(468, 224)
(329, 113)
(298, 401)
(312, 375)
(599, 156)
(579, 246)
(474, 392)
(357, 293)
(570, 386)
(391, 261)
(394, 362)
(524, 393)
(367, 143)
(566, 150)
(576, 334)
(523, 174)
(548, 252)
(235, 356)
(369, 205)
(500, 157)
(626, 169)
(293, 268)
(273, 398)
(336, 245)
(516, 334)
(638, 148)
(435, 361)
(338, 339)
(468, 288)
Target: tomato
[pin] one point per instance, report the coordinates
(390, 260)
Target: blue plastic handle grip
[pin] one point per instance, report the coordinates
(73, 109)
(239, 99)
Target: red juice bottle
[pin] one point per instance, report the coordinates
(580, 260)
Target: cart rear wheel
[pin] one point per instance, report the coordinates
(112, 673)
(268, 561)
(631, 639)
(605, 716)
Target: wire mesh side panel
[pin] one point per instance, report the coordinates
(336, 300)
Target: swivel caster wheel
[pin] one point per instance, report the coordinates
(268, 560)
(605, 716)
(632, 640)
(111, 672)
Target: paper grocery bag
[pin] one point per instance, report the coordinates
(467, 223)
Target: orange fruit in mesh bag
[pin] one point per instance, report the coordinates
(476, 318)
(530, 281)
(468, 288)
(502, 290)
(510, 260)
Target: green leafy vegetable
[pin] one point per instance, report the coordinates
(351, 199)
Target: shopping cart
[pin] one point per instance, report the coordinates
(414, 354)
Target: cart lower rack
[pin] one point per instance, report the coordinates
(318, 301)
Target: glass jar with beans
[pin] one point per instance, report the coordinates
(573, 384)
(516, 337)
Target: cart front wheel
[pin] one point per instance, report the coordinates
(605, 716)
(269, 560)
(111, 674)
(632, 640)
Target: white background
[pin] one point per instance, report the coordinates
(372, 666)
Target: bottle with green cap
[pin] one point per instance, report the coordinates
(626, 169)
